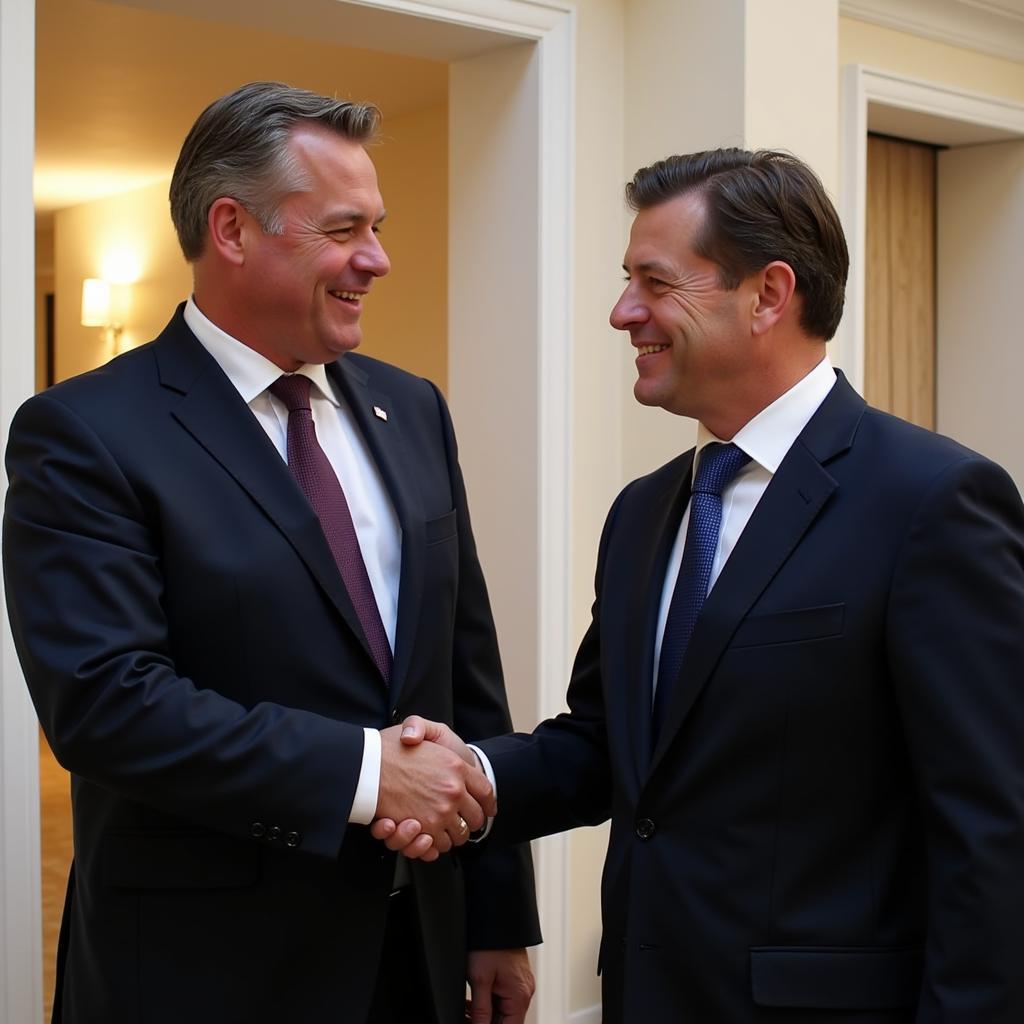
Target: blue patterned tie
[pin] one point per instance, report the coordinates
(719, 463)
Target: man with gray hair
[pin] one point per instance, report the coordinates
(234, 557)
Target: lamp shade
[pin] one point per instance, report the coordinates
(95, 302)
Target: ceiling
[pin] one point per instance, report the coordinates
(118, 86)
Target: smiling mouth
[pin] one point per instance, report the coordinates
(347, 296)
(647, 350)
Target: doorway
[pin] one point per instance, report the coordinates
(969, 131)
(510, 67)
(899, 299)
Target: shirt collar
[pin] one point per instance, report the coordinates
(771, 433)
(250, 372)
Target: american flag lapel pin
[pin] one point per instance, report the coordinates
(380, 413)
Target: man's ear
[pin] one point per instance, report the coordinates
(776, 286)
(227, 224)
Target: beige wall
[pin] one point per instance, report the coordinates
(980, 266)
(134, 226)
(405, 319)
(710, 73)
(600, 388)
(791, 92)
(891, 50)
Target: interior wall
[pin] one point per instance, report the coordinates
(906, 54)
(791, 92)
(980, 264)
(601, 385)
(493, 183)
(406, 318)
(684, 86)
(125, 236)
(753, 80)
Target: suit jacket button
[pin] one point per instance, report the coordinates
(396, 717)
(274, 832)
(292, 839)
(257, 830)
(645, 828)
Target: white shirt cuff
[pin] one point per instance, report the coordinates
(364, 803)
(485, 766)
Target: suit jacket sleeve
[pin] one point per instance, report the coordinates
(559, 776)
(83, 571)
(955, 632)
(500, 897)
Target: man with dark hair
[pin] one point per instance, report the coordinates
(234, 557)
(799, 700)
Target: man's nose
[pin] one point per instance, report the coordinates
(627, 311)
(371, 258)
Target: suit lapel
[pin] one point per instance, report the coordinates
(644, 602)
(383, 435)
(213, 412)
(793, 500)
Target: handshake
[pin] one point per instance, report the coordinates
(432, 793)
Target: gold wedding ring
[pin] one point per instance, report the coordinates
(463, 827)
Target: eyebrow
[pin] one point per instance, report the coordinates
(344, 216)
(662, 269)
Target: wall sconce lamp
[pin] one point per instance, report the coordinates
(97, 309)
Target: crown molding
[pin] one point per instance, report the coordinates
(993, 27)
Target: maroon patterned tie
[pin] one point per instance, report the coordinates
(315, 475)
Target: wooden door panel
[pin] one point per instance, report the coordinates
(900, 281)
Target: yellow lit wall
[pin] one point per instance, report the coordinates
(406, 318)
(891, 50)
(133, 227)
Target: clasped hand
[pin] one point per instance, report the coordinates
(432, 791)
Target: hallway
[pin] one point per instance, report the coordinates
(55, 828)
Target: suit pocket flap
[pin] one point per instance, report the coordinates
(436, 530)
(849, 978)
(790, 627)
(176, 861)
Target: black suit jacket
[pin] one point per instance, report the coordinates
(830, 829)
(197, 665)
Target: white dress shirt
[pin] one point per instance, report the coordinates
(766, 439)
(373, 514)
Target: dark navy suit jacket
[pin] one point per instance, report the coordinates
(198, 666)
(830, 829)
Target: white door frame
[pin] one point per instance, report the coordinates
(20, 911)
(550, 26)
(861, 86)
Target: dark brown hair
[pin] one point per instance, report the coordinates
(759, 207)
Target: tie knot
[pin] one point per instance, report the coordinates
(293, 390)
(719, 463)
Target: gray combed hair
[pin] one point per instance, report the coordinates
(238, 147)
